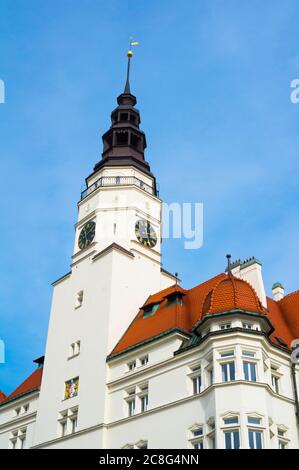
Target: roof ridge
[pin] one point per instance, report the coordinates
(288, 295)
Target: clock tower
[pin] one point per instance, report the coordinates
(116, 265)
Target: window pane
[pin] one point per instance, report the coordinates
(258, 436)
(236, 440)
(228, 440)
(253, 372)
(245, 368)
(232, 370)
(224, 373)
(251, 440)
(252, 420)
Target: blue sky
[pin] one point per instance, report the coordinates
(212, 80)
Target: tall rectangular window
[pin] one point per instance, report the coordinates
(249, 371)
(196, 381)
(255, 439)
(198, 444)
(275, 383)
(131, 407)
(228, 371)
(144, 403)
(232, 439)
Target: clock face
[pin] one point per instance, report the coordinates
(87, 235)
(145, 233)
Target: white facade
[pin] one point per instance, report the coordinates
(202, 396)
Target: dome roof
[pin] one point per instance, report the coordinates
(231, 293)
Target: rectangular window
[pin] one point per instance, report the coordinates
(253, 420)
(74, 424)
(227, 353)
(197, 432)
(228, 371)
(232, 420)
(63, 428)
(282, 445)
(225, 326)
(232, 439)
(255, 439)
(248, 353)
(248, 326)
(131, 365)
(249, 371)
(275, 383)
(198, 445)
(144, 403)
(211, 376)
(144, 361)
(196, 381)
(131, 407)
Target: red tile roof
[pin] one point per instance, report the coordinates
(231, 293)
(2, 396)
(221, 293)
(31, 383)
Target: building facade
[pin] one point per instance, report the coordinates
(132, 359)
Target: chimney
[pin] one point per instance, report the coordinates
(277, 291)
(251, 271)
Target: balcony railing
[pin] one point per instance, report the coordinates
(107, 181)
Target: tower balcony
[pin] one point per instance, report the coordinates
(110, 181)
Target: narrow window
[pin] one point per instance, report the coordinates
(144, 403)
(228, 371)
(255, 439)
(232, 439)
(131, 407)
(198, 444)
(249, 371)
(131, 366)
(275, 382)
(63, 428)
(196, 381)
(74, 424)
(144, 361)
(282, 445)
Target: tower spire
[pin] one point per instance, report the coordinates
(127, 89)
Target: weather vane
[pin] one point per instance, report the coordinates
(129, 55)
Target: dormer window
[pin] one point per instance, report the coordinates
(150, 310)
